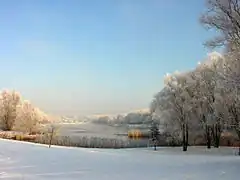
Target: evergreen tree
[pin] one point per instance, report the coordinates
(154, 134)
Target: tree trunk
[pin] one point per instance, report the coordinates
(216, 133)
(50, 141)
(51, 137)
(239, 148)
(208, 136)
(238, 133)
(184, 137)
(217, 142)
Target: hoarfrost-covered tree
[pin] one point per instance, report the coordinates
(223, 16)
(233, 105)
(9, 101)
(161, 106)
(228, 73)
(28, 118)
(177, 84)
(209, 93)
(206, 87)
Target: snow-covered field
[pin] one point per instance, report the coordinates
(26, 161)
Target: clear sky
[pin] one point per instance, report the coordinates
(81, 57)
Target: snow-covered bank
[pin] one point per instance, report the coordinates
(29, 161)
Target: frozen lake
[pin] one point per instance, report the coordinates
(91, 130)
(25, 161)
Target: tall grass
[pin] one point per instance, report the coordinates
(89, 142)
(83, 141)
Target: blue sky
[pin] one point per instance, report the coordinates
(90, 56)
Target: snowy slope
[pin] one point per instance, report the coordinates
(26, 161)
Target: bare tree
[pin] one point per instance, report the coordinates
(52, 132)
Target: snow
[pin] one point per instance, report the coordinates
(24, 161)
